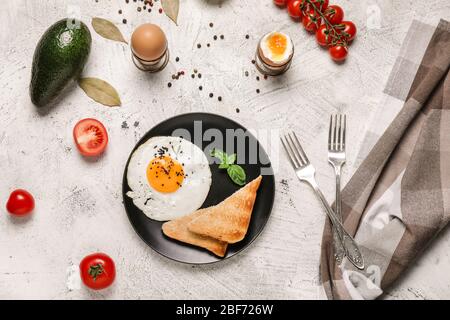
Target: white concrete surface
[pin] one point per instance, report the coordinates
(79, 206)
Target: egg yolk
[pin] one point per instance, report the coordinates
(165, 174)
(277, 44)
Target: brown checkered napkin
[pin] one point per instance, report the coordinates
(399, 198)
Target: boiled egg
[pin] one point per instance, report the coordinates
(148, 42)
(276, 48)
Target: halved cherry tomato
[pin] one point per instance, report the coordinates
(311, 21)
(20, 203)
(280, 3)
(90, 137)
(293, 8)
(348, 29)
(322, 35)
(97, 271)
(338, 53)
(334, 14)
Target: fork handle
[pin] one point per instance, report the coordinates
(349, 244)
(339, 251)
(338, 203)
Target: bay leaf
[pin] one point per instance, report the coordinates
(100, 91)
(171, 8)
(107, 30)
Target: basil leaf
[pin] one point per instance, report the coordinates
(231, 158)
(224, 166)
(219, 155)
(237, 174)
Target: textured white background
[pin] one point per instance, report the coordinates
(78, 202)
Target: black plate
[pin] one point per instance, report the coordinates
(150, 230)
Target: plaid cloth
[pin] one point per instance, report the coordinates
(399, 197)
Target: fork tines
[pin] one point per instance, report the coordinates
(294, 150)
(336, 135)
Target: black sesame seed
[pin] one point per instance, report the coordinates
(253, 61)
(193, 76)
(211, 24)
(195, 70)
(177, 59)
(208, 45)
(246, 73)
(139, 9)
(120, 11)
(237, 110)
(124, 21)
(199, 75)
(222, 36)
(219, 98)
(258, 91)
(211, 95)
(200, 88)
(169, 84)
(257, 78)
(215, 38)
(199, 45)
(247, 36)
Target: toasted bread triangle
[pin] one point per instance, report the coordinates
(177, 229)
(229, 220)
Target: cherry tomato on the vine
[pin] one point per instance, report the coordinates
(334, 14)
(293, 7)
(280, 2)
(323, 35)
(338, 52)
(311, 21)
(20, 203)
(322, 5)
(97, 271)
(348, 30)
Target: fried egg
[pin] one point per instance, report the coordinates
(277, 47)
(169, 177)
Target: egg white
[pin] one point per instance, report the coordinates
(188, 198)
(284, 58)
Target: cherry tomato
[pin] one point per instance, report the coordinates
(311, 21)
(293, 7)
(348, 29)
(20, 203)
(338, 53)
(97, 271)
(280, 3)
(322, 36)
(90, 137)
(334, 14)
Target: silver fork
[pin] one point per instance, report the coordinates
(336, 157)
(306, 172)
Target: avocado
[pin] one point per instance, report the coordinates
(59, 58)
